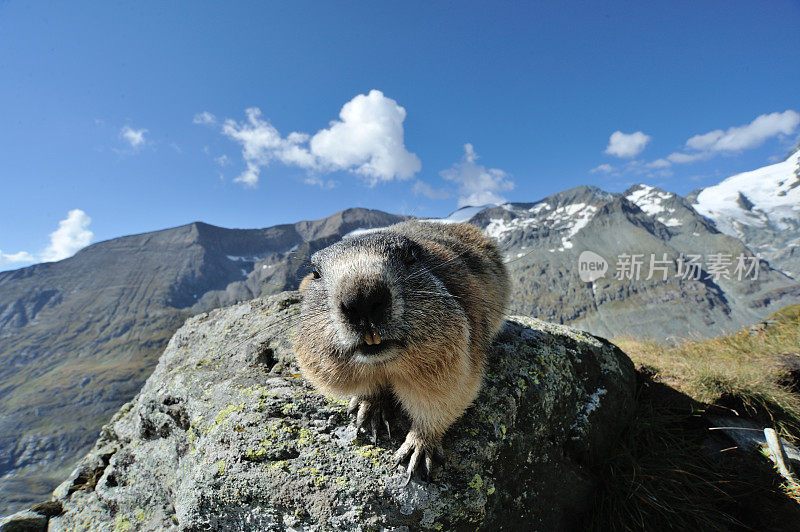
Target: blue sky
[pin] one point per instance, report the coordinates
(103, 135)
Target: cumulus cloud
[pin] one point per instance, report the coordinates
(747, 136)
(72, 234)
(367, 140)
(422, 188)
(222, 160)
(626, 145)
(134, 137)
(204, 118)
(12, 258)
(262, 143)
(477, 185)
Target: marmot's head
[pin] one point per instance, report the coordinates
(372, 297)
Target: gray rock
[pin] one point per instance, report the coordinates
(79, 337)
(47, 508)
(24, 521)
(217, 439)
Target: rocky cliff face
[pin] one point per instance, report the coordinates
(226, 435)
(79, 337)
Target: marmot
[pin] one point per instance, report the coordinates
(411, 310)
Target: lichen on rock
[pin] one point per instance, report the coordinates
(226, 434)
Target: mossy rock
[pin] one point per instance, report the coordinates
(237, 445)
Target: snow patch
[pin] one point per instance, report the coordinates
(465, 213)
(772, 194)
(568, 219)
(651, 201)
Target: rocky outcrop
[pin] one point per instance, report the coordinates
(226, 434)
(79, 337)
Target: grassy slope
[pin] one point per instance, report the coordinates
(668, 470)
(749, 366)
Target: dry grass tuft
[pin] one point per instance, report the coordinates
(750, 366)
(668, 471)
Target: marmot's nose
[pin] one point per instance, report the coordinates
(365, 306)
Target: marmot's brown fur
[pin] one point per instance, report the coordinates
(411, 310)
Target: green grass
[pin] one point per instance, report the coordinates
(668, 471)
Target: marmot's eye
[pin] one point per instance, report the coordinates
(315, 273)
(409, 256)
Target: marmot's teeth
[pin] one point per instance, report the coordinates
(368, 338)
(376, 338)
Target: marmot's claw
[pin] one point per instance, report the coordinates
(372, 412)
(386, 423)
(422, 459)
(352, 408)
(373, 421)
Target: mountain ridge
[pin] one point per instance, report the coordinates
(78, 337)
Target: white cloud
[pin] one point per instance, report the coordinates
(626, 145)
(367, 140)
(324, 184)
(222, 160)
(477, 185)
(11, 258)
(261, 143)
(421, 188)
(134, 137)
(747, 136)
(204, 118)
(684, 158)
(737, 138)
(72, 234)
(604, 168)
(659, 163)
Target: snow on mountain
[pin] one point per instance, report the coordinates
(652, 201)
(767, 196)
(465, 213)
(761, 208)
(567, 219)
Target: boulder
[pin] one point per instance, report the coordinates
(24, 521)
(226, 435)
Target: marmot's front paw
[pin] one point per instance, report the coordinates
(372, 411)
(422, 457)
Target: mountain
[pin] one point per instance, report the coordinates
(79, 337)
(544, 242)
(762, 209)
